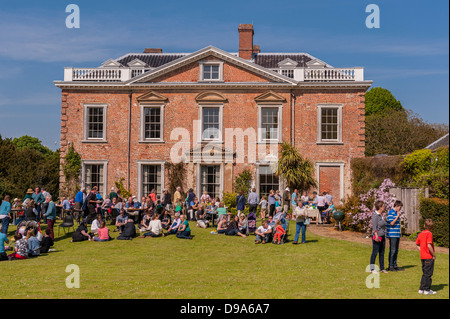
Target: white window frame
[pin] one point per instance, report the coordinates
(258, 180)
(199, 172)
(201, 107)
(139, 177)
(339, 108)
(105, 173)
(86, 139)
(201, 73)
(280, 123)
(142, 138)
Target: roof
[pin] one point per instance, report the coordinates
(271, 60)
(266, 60)
(153, 60)
(443, 141)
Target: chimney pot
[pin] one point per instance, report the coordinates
(152, 50)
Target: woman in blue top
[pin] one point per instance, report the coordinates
(5, 214)
(240, 203)
(184, 231)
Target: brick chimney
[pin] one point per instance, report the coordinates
(246, 41)
(151, 50)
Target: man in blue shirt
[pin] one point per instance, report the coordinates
(5, 214)
(79, 199)
(394, 234)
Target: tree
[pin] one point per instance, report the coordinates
(296, 171)
(31, 143)
(379, 100)
(399, 133)
(243, 182)
(23, 168)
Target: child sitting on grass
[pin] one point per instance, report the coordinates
(46, 242)
(103, 232)
(279, 231)
(21, 248)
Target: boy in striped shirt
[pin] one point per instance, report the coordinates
(394, 234)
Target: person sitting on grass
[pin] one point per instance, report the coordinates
(154, 228)
(263, 233)
(145, 222)
(279, 231)
(46, 242)
(184, 232)
(129, 231)
(33, 244)
(20, 249)
(166, 220)
(222, 225)
(121, 221)
(243, 224)
(103, 232)
(81, 234)
(96, 224)
(233, 227)
(201, 217)
(221, 211)
(173, 229)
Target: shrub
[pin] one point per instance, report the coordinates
(370, 172)
(229, 199)
(359, 210)
(429, 169)
(437, 210)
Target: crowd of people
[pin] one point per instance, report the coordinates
(160, 216)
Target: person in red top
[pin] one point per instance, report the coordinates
(425, 245)
(279, 231)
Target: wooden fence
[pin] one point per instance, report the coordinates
(410, 198)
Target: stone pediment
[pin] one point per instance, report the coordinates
(152, 97)
(211, 96)
(270, 97)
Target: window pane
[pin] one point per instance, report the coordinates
(151, 179)
(269, 123)
(94, 176)
(152, 122)
(211, 123)
(94, 122)
(267, 180)
(329, 124)
(210, 180)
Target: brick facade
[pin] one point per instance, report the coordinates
(123, 150)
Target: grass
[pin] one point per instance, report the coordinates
(214, 266)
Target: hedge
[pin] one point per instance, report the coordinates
(437, 210)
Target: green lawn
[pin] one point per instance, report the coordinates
(214, 266)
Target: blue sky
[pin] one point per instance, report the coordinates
(408, 54)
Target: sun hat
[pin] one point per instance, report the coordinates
(30, 191)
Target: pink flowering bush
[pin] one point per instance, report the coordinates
(359, 209)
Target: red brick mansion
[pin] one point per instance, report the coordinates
(218, 112)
